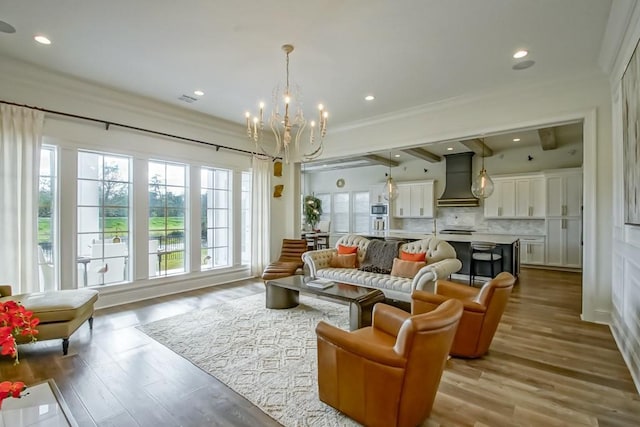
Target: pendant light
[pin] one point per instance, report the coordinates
(482, 185)
(390, 192)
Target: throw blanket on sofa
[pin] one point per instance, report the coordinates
(380, 255)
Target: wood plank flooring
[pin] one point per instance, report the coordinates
(545, 368)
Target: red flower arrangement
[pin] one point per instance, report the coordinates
(9, 389)
(15, 321)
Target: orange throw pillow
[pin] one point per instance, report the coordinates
(346, 250)
(406, 269)
(420, 256)
(343, 261)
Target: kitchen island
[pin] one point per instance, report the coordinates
(507, 245)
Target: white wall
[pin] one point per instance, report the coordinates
(25, 84)
(583, 97)
(625, 259)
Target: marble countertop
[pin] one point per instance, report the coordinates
(502, 239)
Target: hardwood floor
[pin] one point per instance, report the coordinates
(545, 368)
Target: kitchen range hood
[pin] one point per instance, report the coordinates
(457, 192)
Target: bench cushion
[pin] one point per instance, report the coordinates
(56, 306)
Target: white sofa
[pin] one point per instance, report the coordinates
(441, 262)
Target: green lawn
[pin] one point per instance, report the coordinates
(120, 225)
(113, 225)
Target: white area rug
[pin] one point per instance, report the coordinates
(267, 356)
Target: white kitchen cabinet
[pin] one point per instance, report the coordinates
(564, 193)
(376, 194)
(502, 203)
(564, 242)
(415, 200)
(530, 197)
(402, 205)
(516, 196)
(532, 250)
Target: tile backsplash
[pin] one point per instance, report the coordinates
(474, 219)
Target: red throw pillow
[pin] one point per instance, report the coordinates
(420, 256)
(346, 250)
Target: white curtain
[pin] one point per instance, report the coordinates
(20, 142)
(260, 214)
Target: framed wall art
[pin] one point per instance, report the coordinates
(631, 139)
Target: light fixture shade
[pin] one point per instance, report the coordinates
(482, 185)
(390, 192)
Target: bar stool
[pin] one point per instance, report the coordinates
(484, 252)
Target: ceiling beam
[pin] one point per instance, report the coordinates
(423, 154)
(380, 160)
(548, 138)
(478, 146)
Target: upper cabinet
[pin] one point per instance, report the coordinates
(564, 193)
(516, 197)
(376, 194)
(415, 200)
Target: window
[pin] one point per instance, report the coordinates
(47, 255)
(104, 209)
(216, 205)
(167, 218)
(340, 213)
(325, 199)
(361, 212)
(245, 219)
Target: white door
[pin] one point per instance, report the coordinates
(523, 195)
(416, 200)
(508, 204)
(555, 199)
(573, 195)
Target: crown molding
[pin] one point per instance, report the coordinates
(109, 101)
(617, 24)
(486, 95)
(621, 37)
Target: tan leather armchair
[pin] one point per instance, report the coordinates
(483, 310)
(290, 260)
(387, 374)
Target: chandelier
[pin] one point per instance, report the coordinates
(287, 122)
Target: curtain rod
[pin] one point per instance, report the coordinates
(107, 124)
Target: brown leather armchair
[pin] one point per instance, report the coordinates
(387, 374)
(483, 310)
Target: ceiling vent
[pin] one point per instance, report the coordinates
(188, 99)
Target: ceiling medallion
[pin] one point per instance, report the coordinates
(289, 125)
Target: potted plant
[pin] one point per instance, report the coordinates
(312, 210)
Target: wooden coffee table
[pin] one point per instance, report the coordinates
(285, 293)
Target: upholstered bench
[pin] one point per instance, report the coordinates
(60, 312)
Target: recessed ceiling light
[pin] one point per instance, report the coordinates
(41, 39)
(449, 148)
(198, 92)
(396, 155)
(369, 98)
(520, 54)
(516, 139)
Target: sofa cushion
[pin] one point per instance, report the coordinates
(57, 306)
(371, 280)
(343, 261)
(418, 256)
(407, 269)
